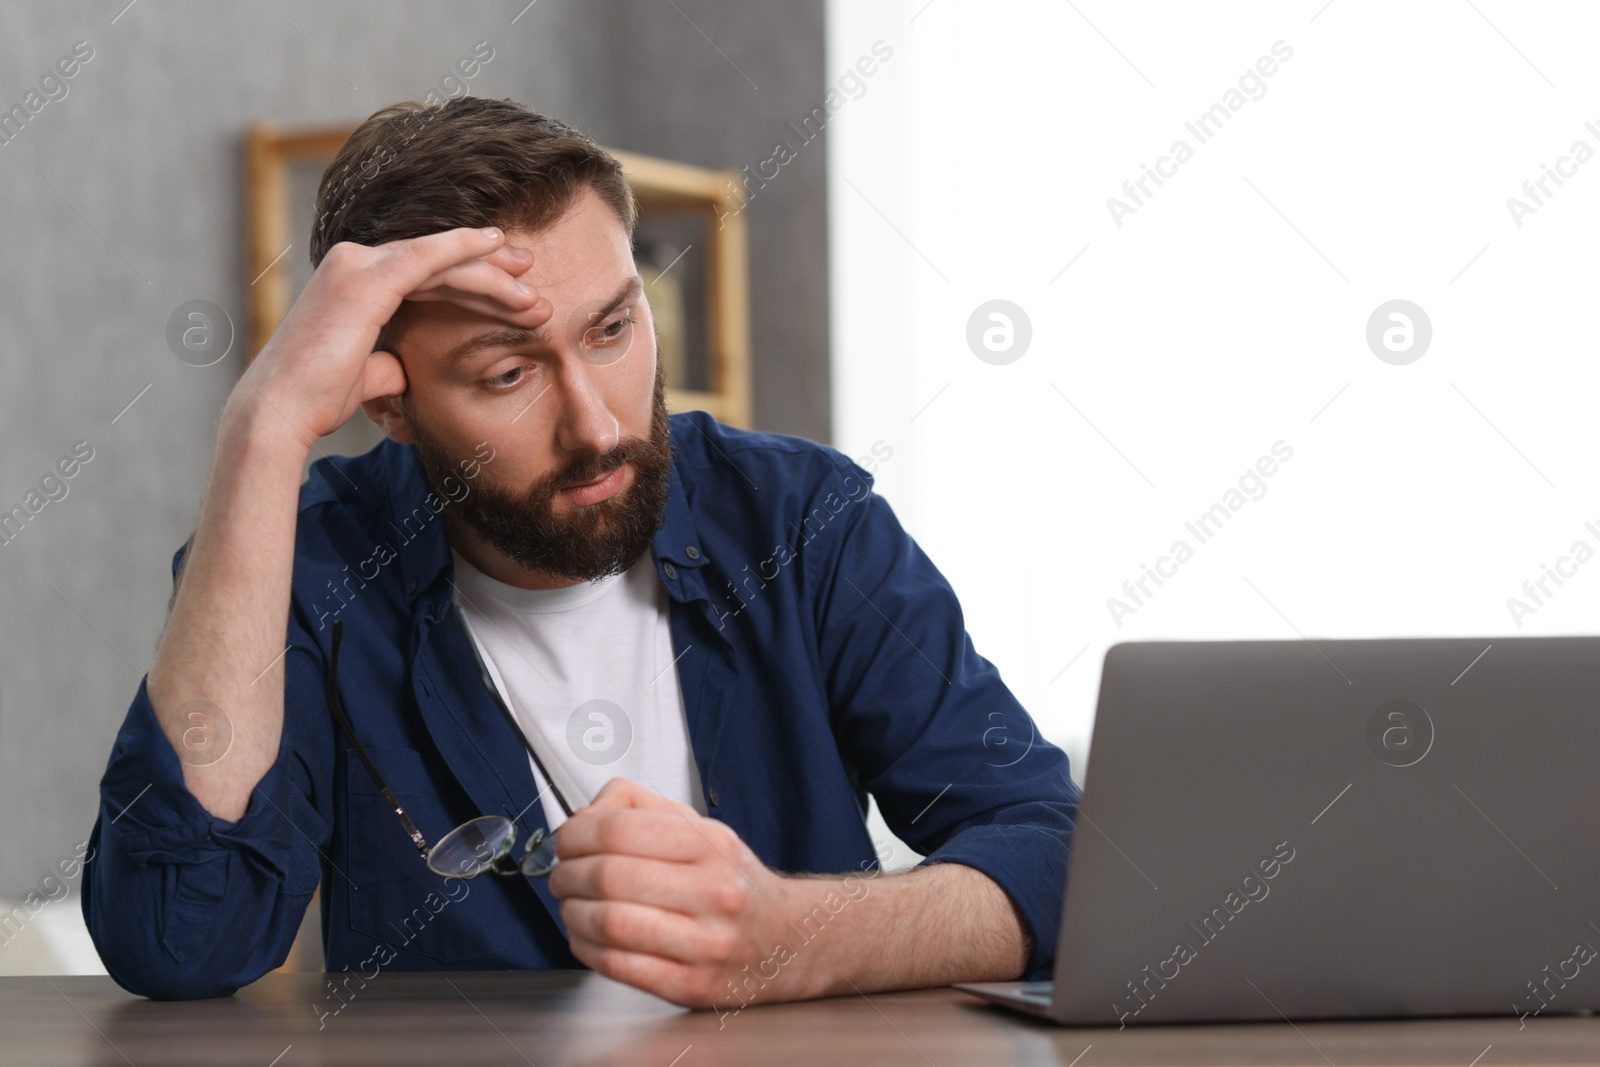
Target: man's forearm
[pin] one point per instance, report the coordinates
(217, 681)
(929, 926)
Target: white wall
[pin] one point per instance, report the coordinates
(1229, 312)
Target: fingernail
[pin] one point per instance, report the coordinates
(491, 232)
(527, 290)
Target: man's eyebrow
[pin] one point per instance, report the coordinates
(515, 336)
(625, 292)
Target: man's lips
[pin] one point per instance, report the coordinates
(602, 488)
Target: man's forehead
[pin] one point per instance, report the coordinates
(585, 246)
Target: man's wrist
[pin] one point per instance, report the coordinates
(826, 959)
(869, 932)
(251, 424)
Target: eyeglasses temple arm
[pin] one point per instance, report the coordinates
(337, 708)
(488, 683)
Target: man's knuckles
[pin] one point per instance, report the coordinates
(621, 926)
(610, 877)
(613, 831)
(730, 895)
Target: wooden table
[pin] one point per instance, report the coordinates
(578, 1017)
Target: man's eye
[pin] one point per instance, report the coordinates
(506, 380)
(611, 331)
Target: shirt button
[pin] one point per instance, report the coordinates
(692, 552)
(411, 586)
(669, 570)
(713, 793)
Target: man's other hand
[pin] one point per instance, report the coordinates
(656, 895)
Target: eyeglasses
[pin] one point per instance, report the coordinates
(476, 846)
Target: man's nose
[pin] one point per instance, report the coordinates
(586, 422)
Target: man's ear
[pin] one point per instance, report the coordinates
(385, 411)
(383, 382)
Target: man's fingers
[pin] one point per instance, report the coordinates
(650, 832)
(463, 262)
(513, 259)
(668, 979)
(644, 929)
(468, 267)
(408, 263)
(680, 887)
(478, 283)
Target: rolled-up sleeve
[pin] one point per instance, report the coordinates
(956, 764)
(182, 904)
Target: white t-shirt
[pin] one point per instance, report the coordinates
(590, 676)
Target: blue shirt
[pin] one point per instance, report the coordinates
(822, 657)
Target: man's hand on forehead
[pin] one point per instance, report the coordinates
(492, 284)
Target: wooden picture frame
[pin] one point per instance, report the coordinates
(664, 189)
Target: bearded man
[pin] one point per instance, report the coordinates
(550, 678)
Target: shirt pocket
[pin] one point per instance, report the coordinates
(392, 896)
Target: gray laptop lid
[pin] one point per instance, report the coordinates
(1344, 828)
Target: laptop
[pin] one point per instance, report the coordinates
(1334, 829)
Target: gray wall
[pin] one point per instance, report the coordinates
(143, 215)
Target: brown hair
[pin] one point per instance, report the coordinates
(414, 168)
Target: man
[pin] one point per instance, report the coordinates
(692, 650)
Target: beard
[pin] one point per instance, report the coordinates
(590, 542)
